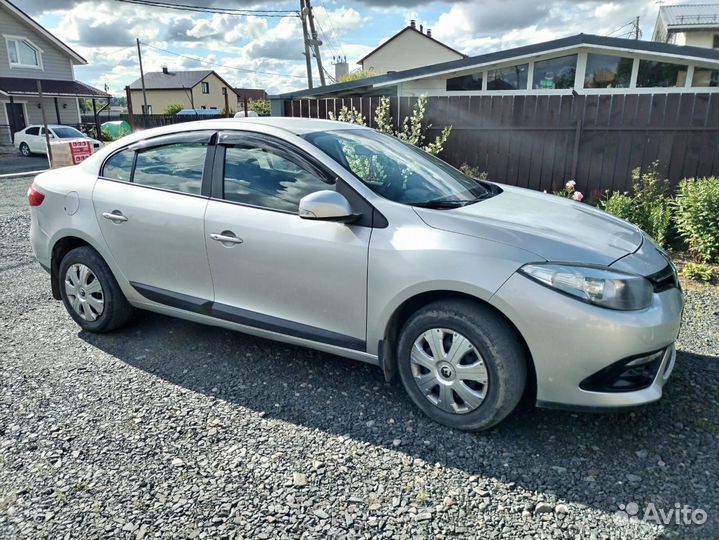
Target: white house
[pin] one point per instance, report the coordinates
(409, 48)
(583, 63)
(696, 25)
(28, 54)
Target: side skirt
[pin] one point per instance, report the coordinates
(248, 318)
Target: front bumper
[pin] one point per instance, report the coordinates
(570, 341)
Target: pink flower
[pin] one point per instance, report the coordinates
(570, 184)
(577, 196)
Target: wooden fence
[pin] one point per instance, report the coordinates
(540, 142)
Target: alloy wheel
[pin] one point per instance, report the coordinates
(449, 370)
(84, 292)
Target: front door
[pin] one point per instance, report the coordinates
(272, 269)
(151, 217)
(16, 117)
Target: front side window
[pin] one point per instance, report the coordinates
(509, 78)
(175, 167)
(555, 73)
(604, 71)
(473, 81)
(399, 171)
(68, 133)
(22, 53)
(661, 74)
(119, 166)
(262, 175)
(705, 77)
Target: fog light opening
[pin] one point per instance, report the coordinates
(627, 375)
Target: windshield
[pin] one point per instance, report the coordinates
(67, 133)
(399, 171)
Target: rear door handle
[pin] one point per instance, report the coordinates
(226, 237)
(115, 216)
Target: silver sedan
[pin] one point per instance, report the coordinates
(339, 238)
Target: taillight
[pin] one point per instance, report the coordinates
(34, 197)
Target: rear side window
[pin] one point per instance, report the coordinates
(269, 177)
(119, 166)
(175, 167)
(32, 131)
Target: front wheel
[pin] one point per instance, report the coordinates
(90, 292)
(25, 149)
(462, 364)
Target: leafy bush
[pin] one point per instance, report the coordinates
(698, 271)
(570, 192)
(649, 207)
(412, 130)
(473, 172)
(173, 108)
(697, 216)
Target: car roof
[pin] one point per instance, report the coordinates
(293, 125)
(50, 126)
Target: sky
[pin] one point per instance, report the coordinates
(267, 52)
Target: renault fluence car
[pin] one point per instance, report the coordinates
(339, 238)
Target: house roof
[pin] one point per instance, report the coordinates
(690, 15)
(172, 80)
(42, 30)
(251, 93)
(578, 40)
(18, 86)
(401, 32)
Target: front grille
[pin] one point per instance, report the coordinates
(665, 279)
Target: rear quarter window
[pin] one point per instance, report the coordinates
(119, 166)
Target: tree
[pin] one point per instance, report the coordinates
(356, 75)
(173, 108)
(260, 106)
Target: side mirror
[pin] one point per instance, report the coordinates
(326, 205)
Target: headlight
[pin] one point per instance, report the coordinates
(600, 286)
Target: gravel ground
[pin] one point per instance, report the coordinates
(169, 429)
(15, 163)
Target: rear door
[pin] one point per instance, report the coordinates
(150, 204)
(280, 272)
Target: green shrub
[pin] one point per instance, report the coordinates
(173, 108)
(649, 207)
(698, 271)
(260, 106)
(697, 216)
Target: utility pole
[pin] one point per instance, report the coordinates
(637, 32)
(315, 42)
(142, 78)
(306, 39)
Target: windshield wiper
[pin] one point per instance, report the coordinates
(441, 204)
(444, 203)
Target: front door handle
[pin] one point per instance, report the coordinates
(226, 237)
(115, 216)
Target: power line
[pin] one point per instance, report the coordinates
(208, 9)
(630, 22)
(331, 27)
(200, 60)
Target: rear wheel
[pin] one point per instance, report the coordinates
(90, 292)
(25, 149)
(462, 364)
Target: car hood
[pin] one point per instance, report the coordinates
(555, 228)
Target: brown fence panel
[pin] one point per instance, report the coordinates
(541, 141)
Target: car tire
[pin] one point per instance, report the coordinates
(90, 292)
(25, 149)
(479, 385)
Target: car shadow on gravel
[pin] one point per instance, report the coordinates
(664, 453)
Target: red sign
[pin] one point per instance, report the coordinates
(80, 151)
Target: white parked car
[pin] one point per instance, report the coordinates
(31, 140)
